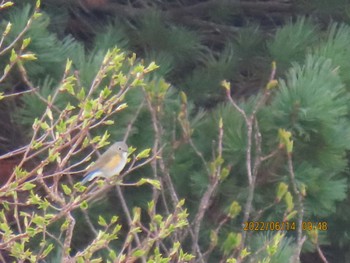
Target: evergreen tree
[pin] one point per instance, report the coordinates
(215, 125)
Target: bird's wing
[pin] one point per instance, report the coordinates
(101, 161)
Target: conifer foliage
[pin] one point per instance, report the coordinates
(236, 114)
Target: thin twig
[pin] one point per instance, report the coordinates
(300, 208)
(68, 238)
(252, 171)
(128, 216)
(209, 193)
(320, 253)
(88, 221)
(133, 120)
(20, 35)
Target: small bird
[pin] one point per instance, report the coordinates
(110, 163)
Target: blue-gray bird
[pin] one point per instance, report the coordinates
(110, 163)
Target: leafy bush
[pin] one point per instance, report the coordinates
(198, 184)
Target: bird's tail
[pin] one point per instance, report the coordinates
(90, 176)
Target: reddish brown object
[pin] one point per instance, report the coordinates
(6, 168)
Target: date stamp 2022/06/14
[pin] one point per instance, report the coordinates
(284, 225)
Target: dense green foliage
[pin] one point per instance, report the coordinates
(270, 146)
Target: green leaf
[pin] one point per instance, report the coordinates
(219, 161)
(25, 43)
(153, 182)
(39, 221)
(49, 113)
(7, 69)
(69, 107)
(47, 250)
(96, 260)
(28, 56)
(183, 97)
(5, 205)
(143, 154)
(36, 15)
(5, 5)
(302, 189)
(13, 56)
(37, 4)
(61, 127)
(112, 255)
(122, 106)
(53, 156)
(150, 207)
(105, 92)
(232, 241)
(226, 85)
(68, 66)
(28, 186)
(152, 66)
(5, 228)
(17, 249)
(272, 84)
(224, 173)
(67, 85)
(66, 189)
(138, 68)
(158, 219)
(245, 253)
(137, 214)
(281, 191)
(79, 187)
(285, 139)
(234, 209)
(138, 253)
(20, 172)
(36, 145)
(131, 150)
(271, 250)
(108, 122)
(84, 205)
(65, 225)
(40, 171)
(31, 231)
(81, 94)
(114, 219)
(291, 215)
(101, 221)
(44, 126)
